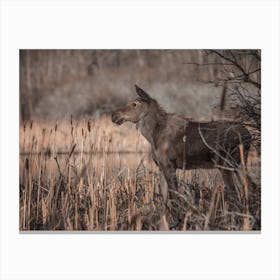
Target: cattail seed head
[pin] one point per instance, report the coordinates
(26, 164)
(88, 125)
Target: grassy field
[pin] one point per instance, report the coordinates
(90, 174)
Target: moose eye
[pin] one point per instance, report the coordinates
(134, 104)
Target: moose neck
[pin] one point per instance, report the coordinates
(155, 118)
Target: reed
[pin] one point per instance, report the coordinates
(89, 174)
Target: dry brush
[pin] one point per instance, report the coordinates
(89, 174)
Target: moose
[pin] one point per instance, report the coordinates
(181, 143)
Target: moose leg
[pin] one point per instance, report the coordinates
(228, 179)
(163, 187)
(169, 172)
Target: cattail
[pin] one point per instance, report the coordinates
(55, 128)
(88, 125)
(26, 164)
(31, 124)
(71, 120)
(223, 97)
(24, 127)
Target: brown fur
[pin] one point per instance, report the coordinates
(181, 143)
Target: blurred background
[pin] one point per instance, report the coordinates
(55, 84)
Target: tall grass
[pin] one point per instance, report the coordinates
(89, 174)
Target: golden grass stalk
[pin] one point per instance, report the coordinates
(246, 225)
(92, 175)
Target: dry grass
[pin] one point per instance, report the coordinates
(89, 174)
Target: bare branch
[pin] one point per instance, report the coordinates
(233, 62)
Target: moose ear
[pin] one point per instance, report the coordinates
(144, 95)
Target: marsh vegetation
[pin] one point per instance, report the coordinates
(92, 175)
